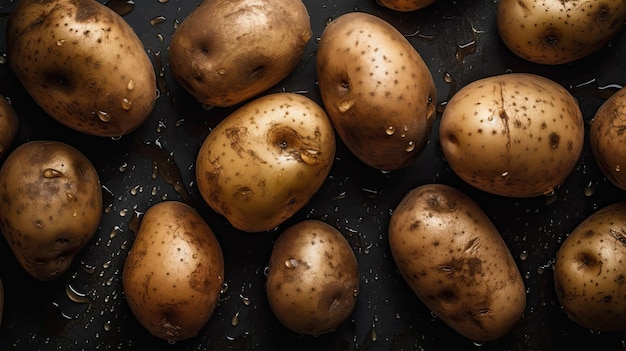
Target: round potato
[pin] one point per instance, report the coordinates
(589, 271)
(266, 160)
(8, 126)
(83, 64)
(517, 135)
(607, 139)
(226, 52)
(376, 89)
(554, 31)
(313, 280)
(405, 5)
(174, 271)
(456, 262)
(51, 202)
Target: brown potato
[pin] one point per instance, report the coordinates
(265, 161)
(456, 262)
(589, 271)
(83, 64)
(226, 52)
(9, 124)
(376, 89)
(174, 271)
(607, 139)
(313, 279)
(517, 134)
(556, 32)
(405, 5)
(51, 202)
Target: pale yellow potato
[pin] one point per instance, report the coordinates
(376, 89)
(174, 272)
(456, 262)
(265, 161)
(556, 32)
(313, 280)
(83, 64)
(9, 124)
(405, 5)
(226, 52)
(516, 135)
(589, 271)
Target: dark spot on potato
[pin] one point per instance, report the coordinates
(587, 260)
(554, 140)
(447, 295)
(550, 40)
(415, 225)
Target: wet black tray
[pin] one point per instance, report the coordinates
(86, 309)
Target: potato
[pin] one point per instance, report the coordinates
(8, 126)
(376, 89)
(226, 52)
(556, 32)
(174, 271)
(516, 135)
(405, 5)
(51, 202)
(589, 270)
(266, 160)
(607, 139)
(456, 262)
(313, 280)
(83, 64)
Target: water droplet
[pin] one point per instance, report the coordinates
(221, 71)
(122, 167)
(291, 263)
(328, 20)
(163, 1)
(590, 189)
(161, 38)
(447, 77)
(104, 116)
(266, 271)
(52, 173)
(224, 288)
(355, 292)
(60, 42)
(617, 168)
(107, 326)
(235, 320)
(540, 269)
(390, 130)
(245, 300)
(126, 104)
(130, 85)
(410, 147)
(207, 107)
(503, 177)
(310, 157)
(114, 232)
(523, 255)
(123, 212)
(106, 264)
(478, 343)
(157, 20)
(75, 295)
(549, 192)
(373, 334)
(3, 59)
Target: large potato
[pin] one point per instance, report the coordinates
(174, 271)
(517, 135)
(50, 205)
(83, 64)
(9, 124)
(313, 280)
(226, 52)
(266, 160)
(376, 89)
(556, 31)
(589, 275)
(608, 140)
(455, 260)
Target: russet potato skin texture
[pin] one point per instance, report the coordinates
(376, 89)
(51, 205)
(589, 270)
(607, 138)
(555, 32)
(9, 124)
(266, 160)
(313, 280)
(405, 5)
(83, 64)
(516, 135)
(226, 52)
(174, 271)
(456, 262)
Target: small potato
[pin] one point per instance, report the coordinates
(226, 52)
(607, 138)
(455, 260)
(405, 5)
(174, 272)
(313, 280)
(555, 32)
(589, 273)
(51, 202)
(265, 161)
(83, 64)
(516, 135)
(9, 124)
(376, 89)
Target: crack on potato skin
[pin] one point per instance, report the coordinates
(619, 236)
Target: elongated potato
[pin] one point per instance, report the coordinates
(454, 259)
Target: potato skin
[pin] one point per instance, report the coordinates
(313, 280)
(405, 5)
(174, 271)
(51, 205)
(456, 262)
(555, 32)
(266, 160)
(83, 64)
(607, 139)
(9, 125)
(226, 52)
(376, 89)
(589, 271)
(516, 135)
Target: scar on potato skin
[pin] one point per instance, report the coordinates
(85, 10)
(619, 236)
(587, 261)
